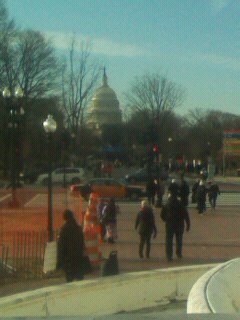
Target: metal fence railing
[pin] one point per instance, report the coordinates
(22, 253)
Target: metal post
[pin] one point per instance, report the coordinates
(13, 126)
(50, 204)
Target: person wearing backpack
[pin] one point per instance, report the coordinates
(109, 219)
(145, 224)
(175, 215)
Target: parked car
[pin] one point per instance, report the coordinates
(31, 175)
(72, 176)
(107, 188)
(141, 175)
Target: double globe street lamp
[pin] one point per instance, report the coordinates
(15, 113)
(50, 127)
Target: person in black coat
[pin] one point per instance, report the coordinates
(194, 191)
(175, 216)
(151, 189)
(213, 192)
(70, 248)
(201, 197)
(145, 224)
(173, 187)
(184, 192)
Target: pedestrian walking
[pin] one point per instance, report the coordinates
(151, 191)
(184, 192)
(194, 191)
(213, 192)
(159, 192)
(100, 207)
(173, 187)
(201, 197)
(175, 216)
(70, 248)
(145, 225)
(110, 212)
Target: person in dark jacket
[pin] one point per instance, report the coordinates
(173, 187)
(201, 197)
(110, 212)
(213, 192)
(160, 193)
(151, 189)
(175, 216)
(70, 248)
(184, 192)
(194, 191)
(145, 224)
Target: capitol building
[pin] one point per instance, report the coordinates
(104, 108)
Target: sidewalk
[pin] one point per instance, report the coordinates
(213, 238)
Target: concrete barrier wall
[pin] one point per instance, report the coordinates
(124, 292)
(217, 291)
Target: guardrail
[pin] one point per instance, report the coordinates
(108, 295)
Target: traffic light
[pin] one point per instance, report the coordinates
(155, 149)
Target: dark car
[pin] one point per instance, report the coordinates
(107, 188)
(141, 175)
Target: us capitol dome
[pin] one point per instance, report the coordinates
(104, 109)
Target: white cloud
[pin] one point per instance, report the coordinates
(219, 5)
(98, 45)
(225, 61)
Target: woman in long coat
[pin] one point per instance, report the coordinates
(145, 224)
(70, 248)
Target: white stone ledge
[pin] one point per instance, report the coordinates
(108, 295)
(217, 291)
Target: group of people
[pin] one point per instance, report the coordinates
(71, 249)
(175, 215)
(200, 190)
(155, 188)
(71, 246)
(107, 219)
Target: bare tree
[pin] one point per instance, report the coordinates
(79, 78)
(155, 94)
(28, 60)
(7, 34)
(38, 67)
(155, 97)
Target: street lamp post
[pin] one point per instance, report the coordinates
(15, 112)
(50, 127)
(170, 155)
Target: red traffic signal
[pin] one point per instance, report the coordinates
(155, 148)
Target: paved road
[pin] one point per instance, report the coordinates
(213, 237)
(225, 199)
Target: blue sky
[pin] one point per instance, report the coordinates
(195, 43)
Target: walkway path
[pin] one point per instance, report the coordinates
(214, 237)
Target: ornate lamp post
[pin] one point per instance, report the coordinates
(15, 112)
(50, 127)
